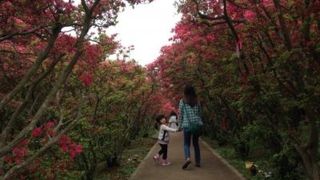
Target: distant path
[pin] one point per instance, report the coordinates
(212, 166)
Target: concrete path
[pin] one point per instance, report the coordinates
(213, 167)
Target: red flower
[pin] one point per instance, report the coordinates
(64, 142)
(86, 79)
(72, 154)
(64, 147)
(67, 145)
(37, 132)
(75, 149)
(8, 159)
(78, 148)
(19, 151)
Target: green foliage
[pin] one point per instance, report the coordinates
(114, 116)
(286, 164)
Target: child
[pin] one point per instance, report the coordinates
(163, 140)
(173, 120)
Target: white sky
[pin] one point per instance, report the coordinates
(147, 27)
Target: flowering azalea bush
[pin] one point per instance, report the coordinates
(254, 64)
(119, 109)
(38, 59)
(70, 147)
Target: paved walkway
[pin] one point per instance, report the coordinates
(213, 167)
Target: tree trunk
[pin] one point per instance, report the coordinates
(309, 152)
(309, 162)
(41, 57)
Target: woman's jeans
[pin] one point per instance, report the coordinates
(187, 141)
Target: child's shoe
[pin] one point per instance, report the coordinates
(165, 163)
(156, 158)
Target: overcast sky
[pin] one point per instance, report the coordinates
(147, 27)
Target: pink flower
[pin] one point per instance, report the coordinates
(37, 132)
(249, 15)
(210, 37)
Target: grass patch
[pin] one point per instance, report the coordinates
(229, 154)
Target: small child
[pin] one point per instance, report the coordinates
(163, 140)
(173, 120)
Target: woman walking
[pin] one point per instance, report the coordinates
(190, 121)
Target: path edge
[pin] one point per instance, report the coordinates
(233, 169)
(206, 145)
(143, 162)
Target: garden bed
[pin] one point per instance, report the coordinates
(229, 154)
(132, 157)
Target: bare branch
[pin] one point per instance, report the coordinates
(8, 36)
(229, 21)
(21, 108)
(85, 7)
(203, 16)
(242, 6)
(13, 103)
(42, 56)
(61, 80)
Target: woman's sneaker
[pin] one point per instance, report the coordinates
(186, 164)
